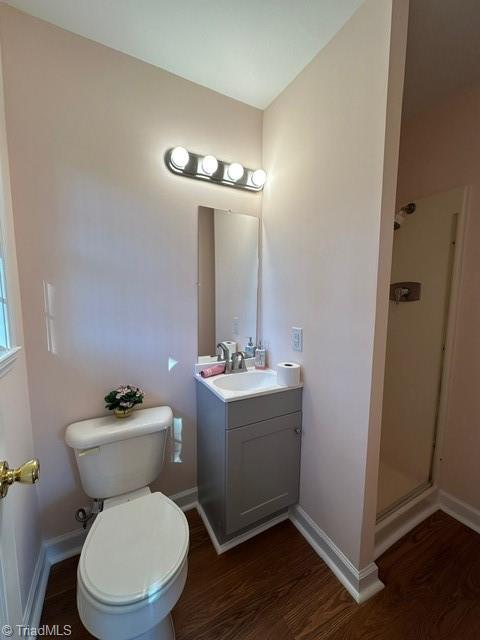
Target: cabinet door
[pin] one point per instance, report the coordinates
(263, 468)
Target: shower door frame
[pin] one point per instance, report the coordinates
(446, 367)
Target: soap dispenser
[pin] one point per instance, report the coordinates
(250, 349)
(260, 356)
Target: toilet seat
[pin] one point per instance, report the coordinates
(149, 619)
(134, 551)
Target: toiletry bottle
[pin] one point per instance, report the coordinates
(260, 356)
(250, 349)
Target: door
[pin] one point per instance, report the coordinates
(16, 526)
(19, 536)
(263, 469)
(11, 610)
(423, 251)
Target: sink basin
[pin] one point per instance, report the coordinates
(235, 386)
(249, 381)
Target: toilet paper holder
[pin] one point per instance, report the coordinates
(405, 291)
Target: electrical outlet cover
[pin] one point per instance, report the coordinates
(297, 338)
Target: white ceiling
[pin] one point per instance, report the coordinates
(247, 49)
(443, 51)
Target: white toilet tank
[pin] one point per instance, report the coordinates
(115, 456)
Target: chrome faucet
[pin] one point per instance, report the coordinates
(224, 355)
(242, 365)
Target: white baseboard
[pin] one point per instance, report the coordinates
(222, 547)
(65, 546)
(36, 594)
(404, 519)
(362, 584)
(459, 510)
(410, 515)
(51, 551)
(186, 500)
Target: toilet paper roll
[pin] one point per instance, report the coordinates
(288, 374)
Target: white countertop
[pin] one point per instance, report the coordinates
(250, 384)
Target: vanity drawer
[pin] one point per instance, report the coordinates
(243, 412)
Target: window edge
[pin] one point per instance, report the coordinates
(7, 359)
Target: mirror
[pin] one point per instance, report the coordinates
(227, 279)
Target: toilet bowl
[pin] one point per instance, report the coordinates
(133, 565)
(132, 569)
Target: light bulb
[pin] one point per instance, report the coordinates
(180, 157)
(235, 171)
(209, 165)
(259, 177)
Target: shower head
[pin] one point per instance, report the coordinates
(405, 211)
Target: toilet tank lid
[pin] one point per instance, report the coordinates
(98, 431)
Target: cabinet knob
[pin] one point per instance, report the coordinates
(298, 430)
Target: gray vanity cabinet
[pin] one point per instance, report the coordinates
(248, 458)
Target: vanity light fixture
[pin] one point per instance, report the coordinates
(207, 167)
(180, 157)
(235, 171)
(259, 177)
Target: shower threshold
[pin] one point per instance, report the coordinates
(403, 501)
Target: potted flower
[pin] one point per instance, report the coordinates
(122, 400)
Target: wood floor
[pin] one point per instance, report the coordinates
(275, 587)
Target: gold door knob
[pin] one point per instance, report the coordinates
(28, 474)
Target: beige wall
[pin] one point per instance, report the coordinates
(19, 512)
(440, 149)
(100, 219)
(113, 234)
(325, 140)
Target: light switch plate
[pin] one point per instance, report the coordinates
(297, 338)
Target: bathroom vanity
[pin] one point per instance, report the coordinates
(248, 425)
(248, 450)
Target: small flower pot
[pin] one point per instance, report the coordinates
(123, 413)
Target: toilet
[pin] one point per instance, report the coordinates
(133, 565)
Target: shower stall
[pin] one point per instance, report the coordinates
(420, 294)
